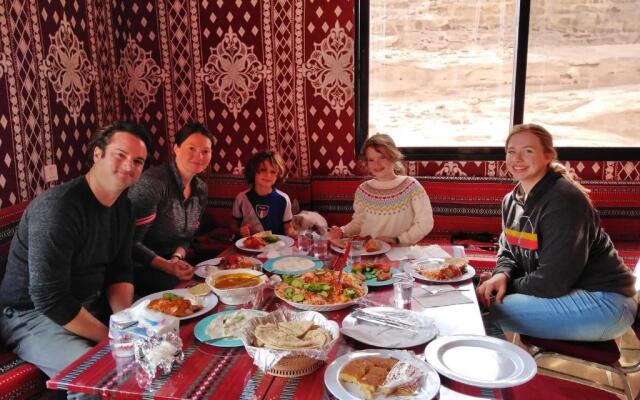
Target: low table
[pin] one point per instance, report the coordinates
(213, 372)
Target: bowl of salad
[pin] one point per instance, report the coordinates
(374, 273)
(321, 290)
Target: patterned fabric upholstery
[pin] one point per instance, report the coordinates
(18, 379)
(468, 205)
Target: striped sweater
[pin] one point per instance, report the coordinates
(397, 208)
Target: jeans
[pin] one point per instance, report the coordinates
(579, 315)
(37, 339)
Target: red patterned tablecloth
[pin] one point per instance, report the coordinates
(222, 373)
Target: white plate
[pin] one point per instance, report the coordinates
(213, 261)
(429, 385)
(201, 270)
(481, 361)
(323, 307)
(296, 265)
(201, 267)
(286, 240)
(390, 337)
(200, 330)
(411, 269)
(383, 249)
(208, 304)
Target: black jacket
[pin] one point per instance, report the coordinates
(553, 243)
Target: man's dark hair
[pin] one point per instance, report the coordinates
(190, 129)
(102, 137)
(274, 158)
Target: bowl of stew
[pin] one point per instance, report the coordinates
(236, 286)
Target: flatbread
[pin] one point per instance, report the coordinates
(201, 289)
(296, 328)
(280, 336)
(293, 264)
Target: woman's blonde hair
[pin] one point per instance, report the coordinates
(382, 143)
(547, 145)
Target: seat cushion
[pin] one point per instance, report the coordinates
(18, 378)
(606, 352)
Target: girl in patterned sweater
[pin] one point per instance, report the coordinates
(392, 207)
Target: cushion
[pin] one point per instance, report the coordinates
(19, 379)
(606, 352)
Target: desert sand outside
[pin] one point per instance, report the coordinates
(441, 71)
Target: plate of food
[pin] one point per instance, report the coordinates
(441, 270)
(389, 327)
(371, 247)
(292, 264)
(182, 303)
(232, 261)
(262, 241)
(222, 329)
(381, 374)
(297, 342)
(374, 273)
(321, 290)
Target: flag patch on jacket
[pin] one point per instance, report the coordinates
(525, 240)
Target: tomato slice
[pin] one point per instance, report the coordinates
(383, 276)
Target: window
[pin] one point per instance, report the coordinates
(439, 75)
(583, 72)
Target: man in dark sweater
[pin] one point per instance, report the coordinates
(70, 258)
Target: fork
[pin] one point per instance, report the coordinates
(434, 292)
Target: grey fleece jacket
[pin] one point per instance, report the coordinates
(164, 219)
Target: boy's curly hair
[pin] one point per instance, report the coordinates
(274, 158)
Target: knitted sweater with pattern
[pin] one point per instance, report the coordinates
(397, 208)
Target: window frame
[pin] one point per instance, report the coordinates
(522, 18)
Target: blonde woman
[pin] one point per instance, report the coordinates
(392, 206)
(558, 275)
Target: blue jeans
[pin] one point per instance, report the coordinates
(40, 341)
(579, 315)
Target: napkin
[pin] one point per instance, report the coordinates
(276, 249)
(428, 300)
(414, 252)
(399, 253)
(433, 251)
(382, 335)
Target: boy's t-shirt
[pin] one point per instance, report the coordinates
(263, 213)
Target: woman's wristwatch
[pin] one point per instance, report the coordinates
(178, 256)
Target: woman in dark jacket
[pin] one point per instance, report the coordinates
(558, 275)
(169, 201)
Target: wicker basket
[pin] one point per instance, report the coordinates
(295, 366)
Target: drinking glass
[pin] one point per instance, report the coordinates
(402, 290)
(320, 247)
(304, 242)
(355, 255)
